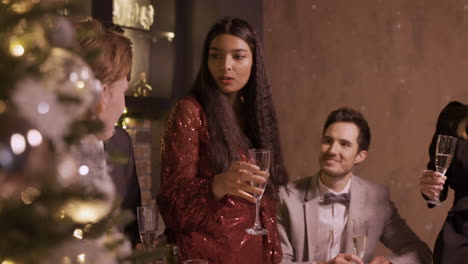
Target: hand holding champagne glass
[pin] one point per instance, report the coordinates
(261, 158)
(147, 224)
(360, 237)
(445, 149)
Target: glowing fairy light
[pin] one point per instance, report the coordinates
(84, 212)
(84, 215)
(73, 77)
(80, 84)
(81, 258)
(67, 168)
(83, 170)
(125, 110)
(16, 49)
(17, 143)
(34, 137)
(84, 74)
(78, 233)
(169, 35)
(8, 261)
(43, 108)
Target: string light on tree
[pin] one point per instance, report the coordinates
(43, 108)
(78, 233)
(81, 258)
(84, 212)
(34, 138)
(16, 50)
(80, 84)
(17, 143)
(83, 170)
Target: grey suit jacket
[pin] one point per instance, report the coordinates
(297, 223)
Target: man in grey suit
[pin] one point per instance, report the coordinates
(316, 214)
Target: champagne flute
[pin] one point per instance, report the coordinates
(445, 149)
(147, 224)
(261, 158)
(360, 237)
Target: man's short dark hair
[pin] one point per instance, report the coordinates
(347, 114)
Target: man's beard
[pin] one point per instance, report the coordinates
(335, 175)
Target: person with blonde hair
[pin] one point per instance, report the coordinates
(109, 54)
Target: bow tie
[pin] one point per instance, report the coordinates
(330, 198)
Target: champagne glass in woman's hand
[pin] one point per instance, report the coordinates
(445, 149)
(261, 158)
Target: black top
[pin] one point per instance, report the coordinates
(121, 162)
(457, 173)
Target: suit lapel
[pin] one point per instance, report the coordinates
(356, 210)
(311, 213)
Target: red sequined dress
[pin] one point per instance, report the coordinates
(202, 226)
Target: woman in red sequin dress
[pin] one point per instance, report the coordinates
(205, 196)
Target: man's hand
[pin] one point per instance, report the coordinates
(344, 258)
(380, 260)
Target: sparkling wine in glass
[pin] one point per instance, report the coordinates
(261, 158)
(360, 237)
(445, 149)
(147, 224)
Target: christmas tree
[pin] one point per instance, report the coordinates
(57, 201)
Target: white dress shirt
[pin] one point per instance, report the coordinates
(332, 221)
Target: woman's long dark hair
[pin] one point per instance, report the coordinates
(227, 138)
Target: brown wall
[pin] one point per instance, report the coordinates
(398, 61)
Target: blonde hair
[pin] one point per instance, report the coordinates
(107, 50)
(462, 128)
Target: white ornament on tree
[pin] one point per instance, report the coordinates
(66, 90)
(81, 251)
(92, 176)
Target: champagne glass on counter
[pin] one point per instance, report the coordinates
(148, 224)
